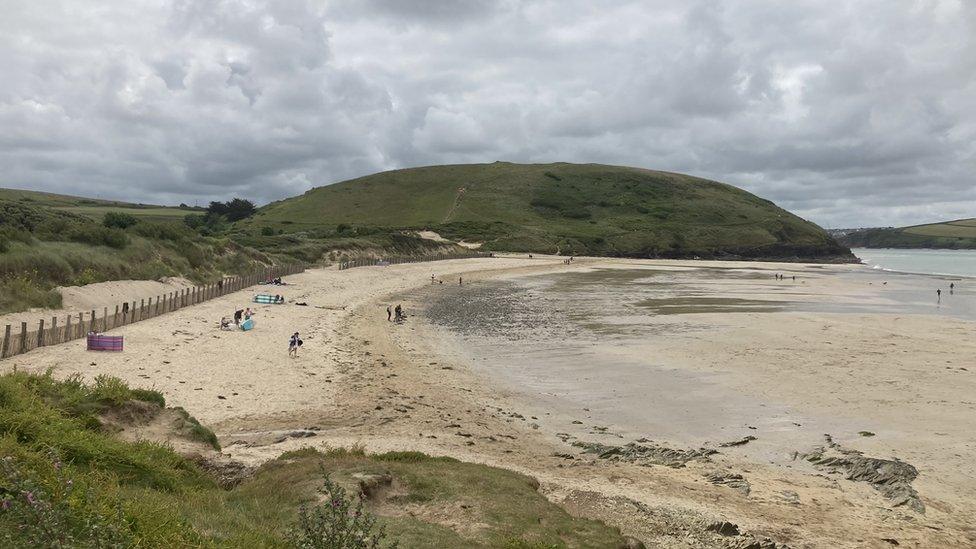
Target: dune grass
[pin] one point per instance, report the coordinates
(89, 484)
(41, 248)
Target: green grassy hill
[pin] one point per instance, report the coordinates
(572, 209)
(42, 247)
(960, 234)
(93, 208)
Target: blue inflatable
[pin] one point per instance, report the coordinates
(247, 324)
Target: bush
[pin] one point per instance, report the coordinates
(119, 220)
(162, 231)
(267, 231)
(336, 524)
(193, 221)
(49, 516)
(98, 236)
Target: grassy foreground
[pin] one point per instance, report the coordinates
(562, 208)
(65, 480)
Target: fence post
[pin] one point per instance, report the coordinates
(6, 342)
(81, 324)
(40, 333)
(115, 319)
(55, 336)
(91, 327)
(23, 337)
(105, 319)
(67, 327)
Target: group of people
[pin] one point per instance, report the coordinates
(240, 316)
(277, 281)
(435, 280)
(395, 314)
(952, 290)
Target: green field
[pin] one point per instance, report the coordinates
(94, 208)
(957, 234)
(573, 209)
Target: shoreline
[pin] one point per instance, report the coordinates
(362, 381)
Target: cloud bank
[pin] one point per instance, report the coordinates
(850, 114)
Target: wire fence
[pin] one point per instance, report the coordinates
(398, 259)
(76, 326)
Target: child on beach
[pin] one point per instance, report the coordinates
(293, 344)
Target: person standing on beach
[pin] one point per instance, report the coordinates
(952, 288)
(459, 281)
(432, 279)
(389, 314)
(938, 293)
(293, 344)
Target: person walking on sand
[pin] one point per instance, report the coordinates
(952, 288)
(293, 344)
(938, 293)
(389, 314)
(459, 281)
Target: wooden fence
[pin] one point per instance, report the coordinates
(72, 327)
(396, 260)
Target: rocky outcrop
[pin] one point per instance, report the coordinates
(891, 477)
(645, 454)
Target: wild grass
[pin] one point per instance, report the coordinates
(148, 496)
(41, 248)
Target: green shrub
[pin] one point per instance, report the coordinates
(119, 220)
(47, 514)
(336, 523)
(98, 236)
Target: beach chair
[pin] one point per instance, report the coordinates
(98, 342)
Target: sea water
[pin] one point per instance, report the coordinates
(918, 261)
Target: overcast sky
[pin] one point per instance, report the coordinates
(848, 113)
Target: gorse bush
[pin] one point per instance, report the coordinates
(98, 236)
(119, 220)
(336, 523)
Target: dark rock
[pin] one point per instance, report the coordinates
(742, 441)
(730, 479)
(724, 528)
(641, 454)
(891, 477)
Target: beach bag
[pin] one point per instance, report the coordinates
(247, 324)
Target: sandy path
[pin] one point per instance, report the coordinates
(362, 380)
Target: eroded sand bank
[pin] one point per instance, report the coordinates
(361, 379)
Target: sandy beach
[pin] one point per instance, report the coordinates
(828, 354)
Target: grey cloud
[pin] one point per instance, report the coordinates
(850, 114)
